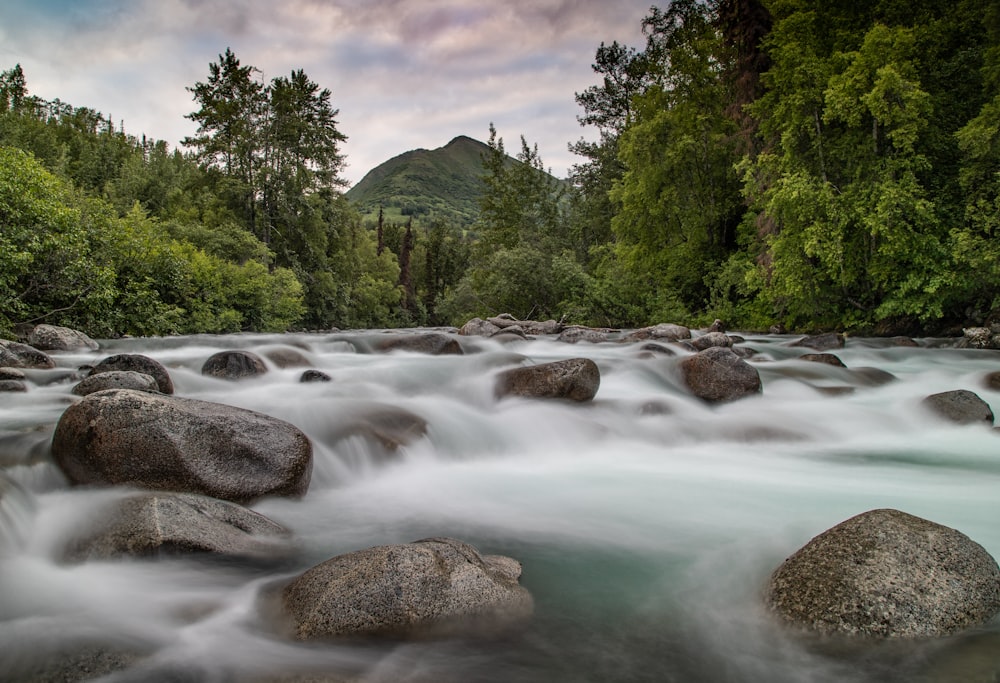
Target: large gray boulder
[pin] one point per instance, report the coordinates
(17, 355)
(234, 365)
(137, 363)
(153, 523)
(718, 375)
(887, 574)
(960, 406)
(577, 379)
(432, 587)
(55, 338)
(432, 343)
(163, 442)
(116, 379)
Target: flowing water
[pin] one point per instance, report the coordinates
(647, 522)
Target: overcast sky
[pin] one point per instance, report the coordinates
(404, 73)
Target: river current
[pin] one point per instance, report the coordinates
(647, 522)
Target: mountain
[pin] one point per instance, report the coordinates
(444, 182)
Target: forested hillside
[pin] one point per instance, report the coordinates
(444, 183)
(793, 162)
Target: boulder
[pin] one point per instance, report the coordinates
(477, 327)
(17, 355)
(160, 442)
(432, 343)
(116, 379)
(992, 381)
(887, 574)
(662, 332)
(961, 406)
(314, 376)
(433, 587)
(572, 335)
(234, 365)
(13, 386)
(153, 523)
(137, 363)
(576, 379)
(503, 320)
(707, 341)
(717, 326)
(822, 342)
(825, 358)
(718, 375)
(55, 338)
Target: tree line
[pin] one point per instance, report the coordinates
(794, 162)
(799, 163)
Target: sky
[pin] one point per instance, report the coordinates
(405, 74)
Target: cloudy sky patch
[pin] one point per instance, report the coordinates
(404, 73)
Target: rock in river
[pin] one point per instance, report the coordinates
(55, 338)
(234, 365)
(576, 379)
(887, 574)
(960, 406)
(137, 363)
(116, 379)
(432, 587)
(717, 375)
(163, 442)
(150, 523)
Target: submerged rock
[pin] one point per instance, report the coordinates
(718, 375)
(138, 363)
(234, 365)
(13, 386)
(432, 343)
(314, 376)
(151, 523)
(961, 406)
(287, 357)
(887, 574)
(434, 587)
(55, 338)
(154, 441)
(116, 379)
(825, 358)
(17, 355)
(577, 379)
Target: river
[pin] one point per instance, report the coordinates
(647, 522)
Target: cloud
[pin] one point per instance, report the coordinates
(404, 73)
